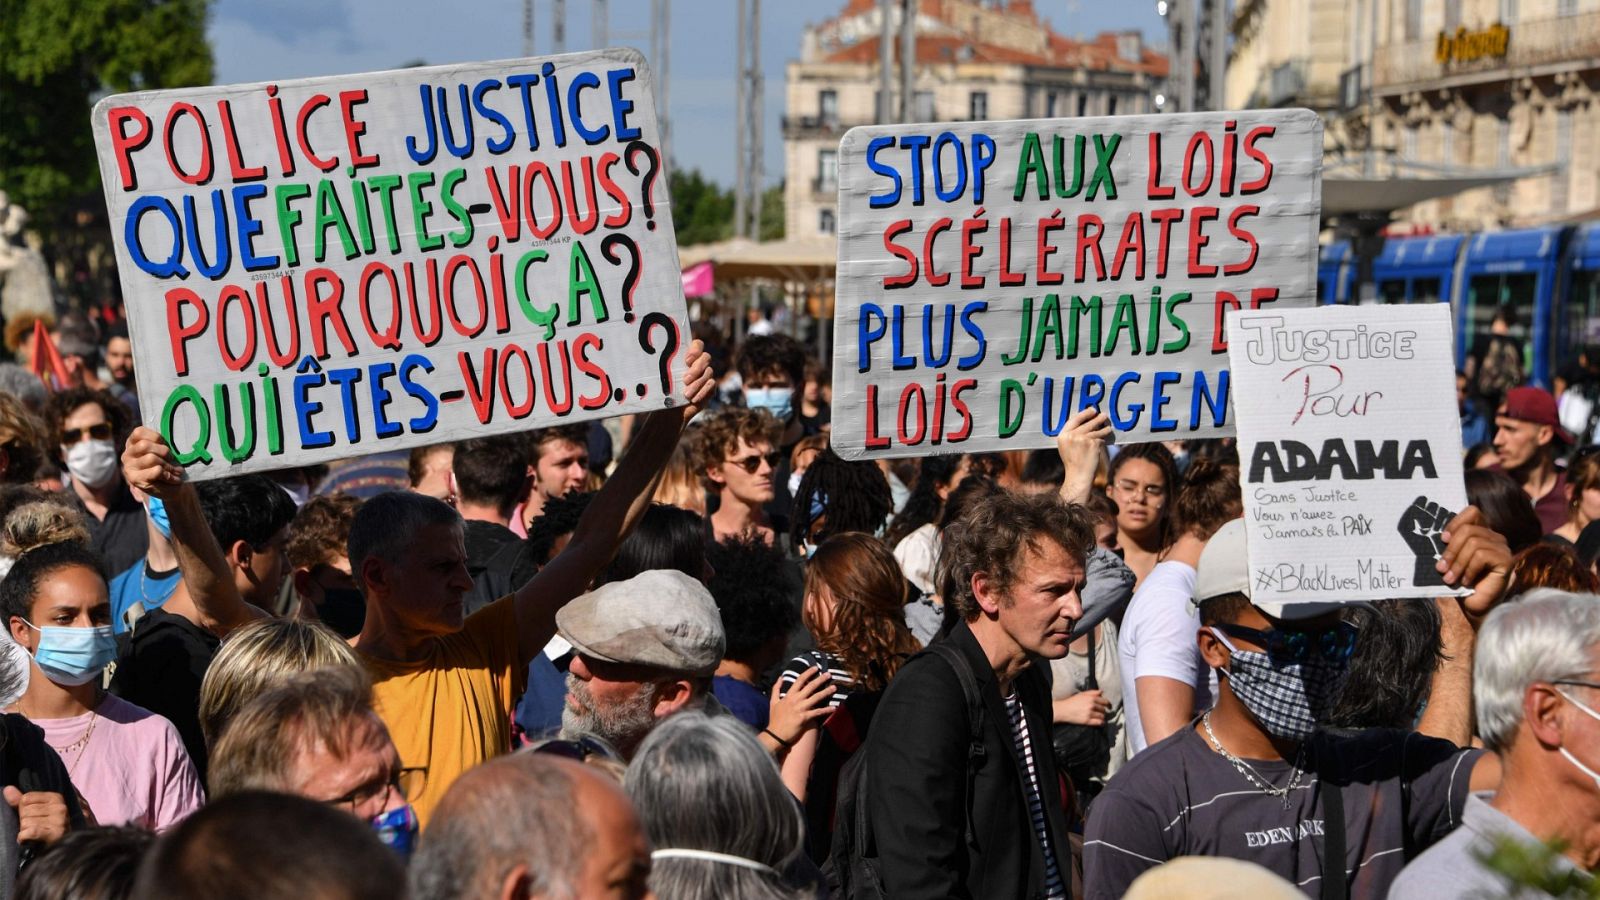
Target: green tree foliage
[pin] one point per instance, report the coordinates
(56, 59)
(772, 226)
(701, 210)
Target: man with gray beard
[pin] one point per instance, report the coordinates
(646, 648)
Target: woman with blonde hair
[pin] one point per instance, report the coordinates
(680, 485)
(259, 657)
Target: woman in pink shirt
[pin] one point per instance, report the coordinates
(127, 763)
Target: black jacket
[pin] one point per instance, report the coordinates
(917, 784)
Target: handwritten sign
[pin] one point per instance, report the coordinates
(995, 277)
(1351, 449)
(330, 267)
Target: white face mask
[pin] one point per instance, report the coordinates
(794, 482)
(1573, 759)
(92, 462)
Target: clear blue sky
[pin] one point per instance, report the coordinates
(264, 40)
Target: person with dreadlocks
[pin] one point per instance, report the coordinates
(914, 534)
(836, 496)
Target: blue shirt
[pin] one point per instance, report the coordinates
(747, 704)
(142, 586)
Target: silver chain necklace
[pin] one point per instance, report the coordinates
(1250, 774)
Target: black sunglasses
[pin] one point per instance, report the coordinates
(100, 432)
(579, 750)
(1334, 644)
(753, 462)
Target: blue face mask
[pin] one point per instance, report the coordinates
(776, 400)
(158, 516)
(397, 829)
(74, 656)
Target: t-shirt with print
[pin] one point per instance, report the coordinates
(1182, 798)
(1157, 639)
(451, 710)
(843, 684)
(132, 770)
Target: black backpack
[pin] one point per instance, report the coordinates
(851, 869)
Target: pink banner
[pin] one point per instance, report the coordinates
(697, 280)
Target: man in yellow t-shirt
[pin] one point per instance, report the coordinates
(444, 684)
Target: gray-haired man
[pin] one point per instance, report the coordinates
(1537, 684)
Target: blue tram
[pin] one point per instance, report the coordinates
(1549, 276)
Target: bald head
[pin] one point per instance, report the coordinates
(532, 825)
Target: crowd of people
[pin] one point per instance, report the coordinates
(725, 662)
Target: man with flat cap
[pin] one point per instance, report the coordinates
(645, 648)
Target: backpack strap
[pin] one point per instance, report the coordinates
(969, 689)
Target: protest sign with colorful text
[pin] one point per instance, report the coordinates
(1351, 447)
(331, 267)
(995, 277)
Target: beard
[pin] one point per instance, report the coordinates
(623, 723)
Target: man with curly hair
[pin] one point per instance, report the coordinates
(757, 591)
(740, 467)
(949, 819)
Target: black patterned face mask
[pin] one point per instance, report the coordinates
(1288, 699)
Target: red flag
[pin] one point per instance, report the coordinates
(46, 359)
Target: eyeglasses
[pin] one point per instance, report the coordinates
(100, 432)
(367, 793)
(753, 462)
(1334, 644)
(1576, 682)
(1153, 491)
(579, 750)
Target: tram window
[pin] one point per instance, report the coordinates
(1426, 290)
(1486, 293)
(1392, 291)
(1583, 308)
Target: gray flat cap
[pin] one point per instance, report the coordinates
(662, 618)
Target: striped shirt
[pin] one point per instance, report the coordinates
(843, 684)
(1054, 888)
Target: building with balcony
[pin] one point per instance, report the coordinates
(1441, 88)
(994, 59)
(1493, 84)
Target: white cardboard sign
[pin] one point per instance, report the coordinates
(1351, 449)
(995, 277)
(330, 267)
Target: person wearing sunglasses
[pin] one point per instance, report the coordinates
(89, 427)
(1256, 777)
(1536, 687)
(737, 456)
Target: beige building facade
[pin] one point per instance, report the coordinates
(1457, 87)
(974, 61)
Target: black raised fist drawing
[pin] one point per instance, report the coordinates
(1422, 527)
